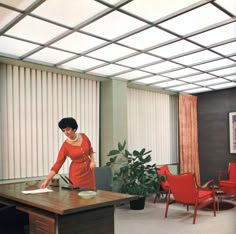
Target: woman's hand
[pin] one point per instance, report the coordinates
(44, 184)
(92, 165)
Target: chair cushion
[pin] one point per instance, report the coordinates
(203, 195)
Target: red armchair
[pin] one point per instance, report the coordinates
(164, 186)
(184, 190)
(230, 174)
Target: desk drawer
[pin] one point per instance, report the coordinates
(40, 224)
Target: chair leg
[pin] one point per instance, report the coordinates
(195, 214)
(167, 204)
(214, 207)
(155, 199)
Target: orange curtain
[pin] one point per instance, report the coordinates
(188, 134)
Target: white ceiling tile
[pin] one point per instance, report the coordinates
(229, 5)
(226, 49)
(184, 87)
(154, 10)
(50, 56)
(113, 25)
(70, 13)
(78, 42)
(113, 2)
(35, 30)
(225, 72)
(170, 83)
(108, 70)
(211, 82)
(162, 67)
(223, 86)
(181, 72)
(22, 4)
(7, 16)
(209, 15)
(15, 47)
(217, 35)
(199, 90)
(82, 63)
(139, 60)
(147, 38)
(197, 57)
(111, 52)
(152, 79)
(174, 49)
(133, 75)
(216, 64)
(233, 77)
(200, 77)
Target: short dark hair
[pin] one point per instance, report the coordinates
(68, 122)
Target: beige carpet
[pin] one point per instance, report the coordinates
(151, 220)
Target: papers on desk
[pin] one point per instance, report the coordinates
(36, 191)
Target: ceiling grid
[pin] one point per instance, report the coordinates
(181, 46)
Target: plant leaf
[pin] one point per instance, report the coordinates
(113, 152)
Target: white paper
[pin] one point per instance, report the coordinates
(35, 191)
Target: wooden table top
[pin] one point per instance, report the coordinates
(60, 201)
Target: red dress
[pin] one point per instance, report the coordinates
(80, 173)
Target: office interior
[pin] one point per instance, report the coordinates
(118, 67)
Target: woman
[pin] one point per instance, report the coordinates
(77, 146)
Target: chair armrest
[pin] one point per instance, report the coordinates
(209, 185)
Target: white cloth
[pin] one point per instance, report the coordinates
(35, 191)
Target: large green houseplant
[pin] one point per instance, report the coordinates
(133, 171)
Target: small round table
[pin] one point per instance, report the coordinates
(224, 192)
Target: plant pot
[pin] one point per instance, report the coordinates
(138, 204)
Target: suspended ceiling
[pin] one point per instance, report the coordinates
(176, 45)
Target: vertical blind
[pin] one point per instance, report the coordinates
(153, 124)
(32, 102)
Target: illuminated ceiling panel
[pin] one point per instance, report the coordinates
(201, 17)
(147, 38)
(70, 13)
(35, 30)
(78, 42)
(82, 63)
(176, 48)
(179, 46)
(139, 60)
(156, 10)
(7, 16)
(15, 47)
(113, 25)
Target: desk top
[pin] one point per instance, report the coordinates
(60, 201)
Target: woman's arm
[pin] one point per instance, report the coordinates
(48, 179)
(92, 164)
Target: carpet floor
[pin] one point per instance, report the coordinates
(179, 221)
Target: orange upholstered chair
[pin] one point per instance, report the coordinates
(230, 174)
(184, 190)
(164, 185)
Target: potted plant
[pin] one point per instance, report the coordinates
(133, 173)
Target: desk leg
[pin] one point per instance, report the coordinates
(99, 221)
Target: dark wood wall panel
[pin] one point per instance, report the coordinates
(213, 132)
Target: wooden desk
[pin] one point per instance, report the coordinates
(63, 211)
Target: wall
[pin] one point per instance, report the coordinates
(213, 130)
(113, 124)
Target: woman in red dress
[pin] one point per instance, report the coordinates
(77, 146)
